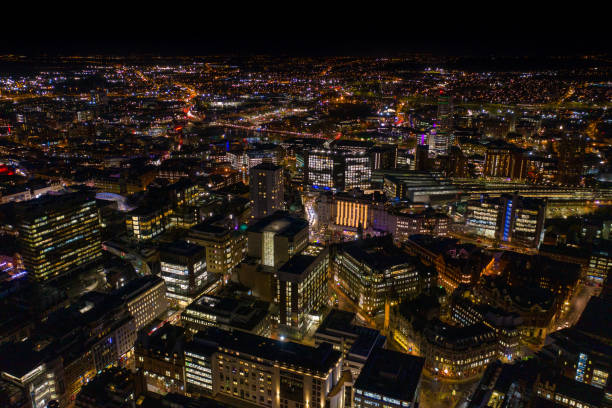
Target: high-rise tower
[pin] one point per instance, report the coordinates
(267, 189)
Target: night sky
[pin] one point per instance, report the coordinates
(306, 29)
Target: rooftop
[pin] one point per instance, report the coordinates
(320, 359)
(391, 374)
(168, 339)
(379, 253)
(181, 248)
(266, 166)
(242, 313)
(280, 223)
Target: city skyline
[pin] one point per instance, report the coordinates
(223, 210)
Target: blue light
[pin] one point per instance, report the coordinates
(508, 218)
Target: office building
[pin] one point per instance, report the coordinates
(571, 152)
(302, 290)
(275, 239)
(183, 267)
(449, 350)
(505, 160)
(267, 191)
(58, 234)
(225, 247)
(160, 359)
(426, 222)
(260, 371)
(245, 314)
(455, 263)
(566, 392)
(338, 170)
(39, 375)
(112, 388)
(389, 379)
(383, 157)
(441, 139)
(415, 186)
(600, 262)
(145, 298)
(374, 271)
(583, 358)
(509, 218)
(156, 214)
(341, 329)
(348, 214)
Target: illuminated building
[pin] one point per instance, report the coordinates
(183, 267)
(389, 379)
(373, 271)
(415, 186)
(484, 218)
(354, 341)
(160, 359)
(561, 278)
(276, 238)
(145, 298)
(353, 212)
(449, 351)
(28, 191)
(383, 157)
(225, 248)
(263, 153)
(455, 263)
(582, 357)
(441, 137)
(38, 373)
(74, 343)
(565, 392)
(244, 314)
(505, 384)
(509, 218)
(122, 182)
(112, 388)
(464, 312)
(536, 306)
(600, 262)
(357, 172)
(302, 290)
(337, 169)
(148, 222)
(58, 234)
(267, 191)
(177, 169)
(245, 160)
(353, 146)
(505, 161)
(320, 170)
(426, 222)
(260, 371)
(571, 151)
(155, 215)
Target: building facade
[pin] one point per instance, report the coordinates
(267, 192)
(59, 234)
(183, 267)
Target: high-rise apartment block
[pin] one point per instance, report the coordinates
(267, 189)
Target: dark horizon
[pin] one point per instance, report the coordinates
(349, 33)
